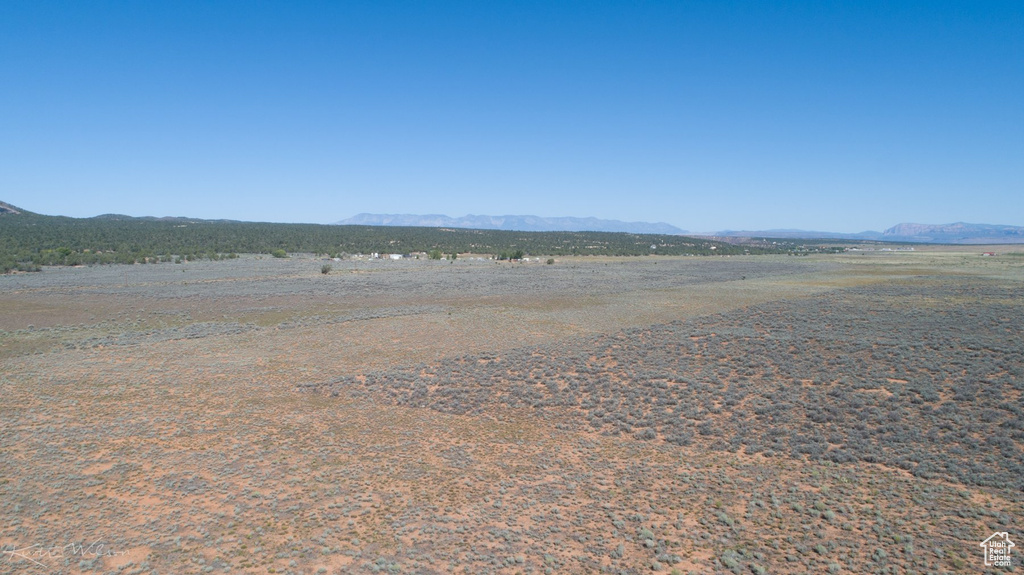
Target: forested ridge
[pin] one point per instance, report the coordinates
(29, 240)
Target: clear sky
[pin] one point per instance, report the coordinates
(825, 115)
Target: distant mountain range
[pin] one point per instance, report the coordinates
(956, 233)
(959, 232)
(517, 223)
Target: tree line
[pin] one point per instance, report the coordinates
(28, 241)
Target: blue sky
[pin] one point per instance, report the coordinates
(840, 116)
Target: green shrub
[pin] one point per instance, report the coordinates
(511, 255)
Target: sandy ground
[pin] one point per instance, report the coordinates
(159, 419)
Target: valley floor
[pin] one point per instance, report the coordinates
(854, 413)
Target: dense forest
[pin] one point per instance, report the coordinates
(28, 241)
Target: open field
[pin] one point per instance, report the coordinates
(851, 413)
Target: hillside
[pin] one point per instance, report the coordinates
(30, 240)
(6, 208)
